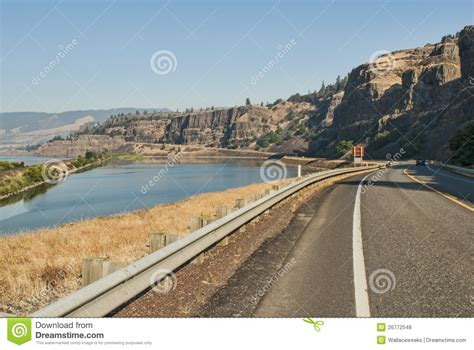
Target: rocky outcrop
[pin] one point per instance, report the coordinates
(413, 99)
(235, 127)
(79, 146)
(405, 102)
(466, 38)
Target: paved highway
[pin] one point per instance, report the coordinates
(395, 242)
(397, 249)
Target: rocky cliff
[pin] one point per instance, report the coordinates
(413, 99)
(79, 146)
(409, 103)
(233, 128)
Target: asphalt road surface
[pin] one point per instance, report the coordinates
(395, 242)
(415, 257)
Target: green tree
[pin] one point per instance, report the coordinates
(247, 101)
(461, 146)
(344, 146)
(322, 90)
(338, 83)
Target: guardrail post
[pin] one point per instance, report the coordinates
(299, 170)
(195, 223)
(240, 203)
(157, 241)
(109, 267)
(267, 192)
(198, 222)
(171, 238)
(92, 269)
(222, 211)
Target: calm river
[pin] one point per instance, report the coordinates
(117, 188)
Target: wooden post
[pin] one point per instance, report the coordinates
(198, 222)
(157, 241)
(109, 267)
(240, 203)
(195, 223)
(171, 238)
(92, 269)
(267, 192)
(275, 188)
(299, 170)
(222, 211)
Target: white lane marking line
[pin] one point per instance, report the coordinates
(360, 279)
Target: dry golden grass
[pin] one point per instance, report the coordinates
(38, 267)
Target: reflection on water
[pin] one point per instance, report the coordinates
(117, 188)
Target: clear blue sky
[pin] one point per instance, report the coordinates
(219, 46)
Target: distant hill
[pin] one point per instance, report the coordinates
(20, 128)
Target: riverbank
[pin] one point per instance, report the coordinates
(29, 178)
(40, 266)
(17, 180)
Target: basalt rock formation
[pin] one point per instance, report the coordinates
(413, 99)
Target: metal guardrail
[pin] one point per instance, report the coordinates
(457, 169)
(107, 294)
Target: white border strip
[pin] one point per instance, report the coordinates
(360, 279)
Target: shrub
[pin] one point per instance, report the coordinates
(461, 146)
(344, 146)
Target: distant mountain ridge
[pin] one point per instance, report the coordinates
(21, 128)
(31, 121)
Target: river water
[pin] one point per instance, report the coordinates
(117, 188)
